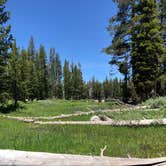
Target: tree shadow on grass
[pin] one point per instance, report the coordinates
(10, 108)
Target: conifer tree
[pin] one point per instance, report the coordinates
(85, 91)
(119, 28)
(107, 85)
(5, 45)
(117, 88)
(58, 78)
(67, 80)
(52, 73)
(14, 74)
(146, 47)
(38, 74)
(43, 74)
(24, 75)
(77, 82)
(31, 49)
(33, 81)
(81, 82)
(161, 83)
(55, 74)
(96, 89)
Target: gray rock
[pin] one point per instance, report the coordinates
(95, 118)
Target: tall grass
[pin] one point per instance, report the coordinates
(57, 107)
(87, 140)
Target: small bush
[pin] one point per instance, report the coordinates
(159, 102)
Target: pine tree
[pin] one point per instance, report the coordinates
(33, 82)
(107, 85)
(58, 78)
(134, 97)
(80, 81)
(14, 74)
(5, 45)
(96, 89)
(161, 83)
(52, 71)
(43, 74)
(77, 82)
(67, 80)
(117, 88)
(85, 91)
(146, 47)
(31, 50)
(119, 28)
(55, 74)
(24, 75)
(38, 75)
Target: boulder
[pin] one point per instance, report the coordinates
(95, 118)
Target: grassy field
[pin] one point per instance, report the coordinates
(85, 139)
(157, 111)
(138, 142)
(58, 107)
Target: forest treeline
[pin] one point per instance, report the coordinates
(138, 49)
(35, 75)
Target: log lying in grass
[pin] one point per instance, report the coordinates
(31, 119)
(22, 158)
(145, 122)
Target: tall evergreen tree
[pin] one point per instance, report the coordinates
(52, 74)
(107, 88)
(117, 88)
(67, 80)
(33, 81)
(55, 74)
(146, 47)
(161, 83)
(85, 94)
(58, 78)
(14, 74)
(96, 89)
(119, 28)
(77, 82)
(5, 45)
(31, 50)
(24, 75)
(43, 74)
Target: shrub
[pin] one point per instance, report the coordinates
(159, 102)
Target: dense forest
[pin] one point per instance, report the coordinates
(137, 48)
(32, 74)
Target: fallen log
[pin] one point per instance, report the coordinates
(31, 119)
(23, 158)
(144, 122)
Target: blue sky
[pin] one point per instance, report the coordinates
(75, 28)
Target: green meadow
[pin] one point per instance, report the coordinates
(84, 139)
